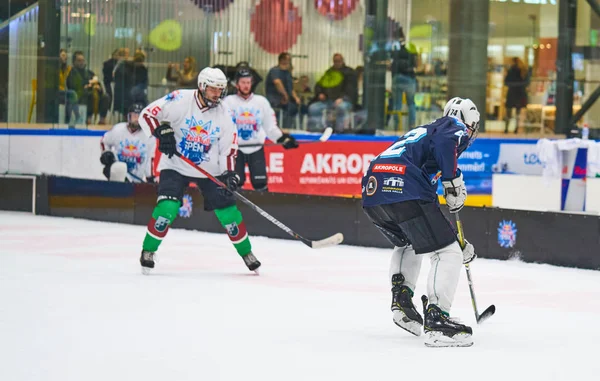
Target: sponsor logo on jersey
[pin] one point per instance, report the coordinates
(371, 186)
(197, 140)
(161, 224)
(507, 234)
(174, 96)
(186, 206)
(392, 185)
(132, 153)
(436, 177)
(247, 122)
(390, 168)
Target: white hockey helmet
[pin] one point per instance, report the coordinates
(214, 78)
(465, 111)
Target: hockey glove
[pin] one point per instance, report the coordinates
(455, 193)
(288, 141)
(231, 179)
(468, 253)
(107, 159)
(166, 140)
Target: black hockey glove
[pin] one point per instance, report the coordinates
(107, 159)
(231, 179)
(288, 141)
(166, 140)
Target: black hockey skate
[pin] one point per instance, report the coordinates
(251, 261)
(406, 315)
(443, 331)
(147, 261)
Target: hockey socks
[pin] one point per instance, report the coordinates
(232, 221)
(162, 217)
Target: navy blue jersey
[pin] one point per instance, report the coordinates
(410, 168)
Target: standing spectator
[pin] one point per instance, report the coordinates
(87, 87)
(279, 87)
(66, 97)
(186, 78)
(131, 83)
(108, 67)
(516, 80)
(336, 90)
(404, 63)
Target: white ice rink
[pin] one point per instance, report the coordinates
(74, 306)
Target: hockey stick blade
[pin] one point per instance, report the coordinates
(335, 239)
(486, 314)
(326, 135)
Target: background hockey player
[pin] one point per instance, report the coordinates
(399, 196)
(255, 120)
(196, 124)
(127, 153)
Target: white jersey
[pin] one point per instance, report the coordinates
(254, 119)
(206, 136)
(134, 149)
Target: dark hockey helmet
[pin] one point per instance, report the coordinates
(242, 73)
(133, 114)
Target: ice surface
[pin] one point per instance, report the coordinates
(74, 306)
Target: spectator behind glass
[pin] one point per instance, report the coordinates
(108, 67)
(404, 82)
(516, 80)
(336, 90)
(279, 88)
(66, 97)
(87, 87)
(131, 83)
(186, 78)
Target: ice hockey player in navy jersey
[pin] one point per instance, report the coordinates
(399, 194)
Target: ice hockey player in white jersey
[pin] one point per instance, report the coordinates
(197, 125)
(255, 120)
(127, 153)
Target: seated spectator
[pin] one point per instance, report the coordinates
(131, 83)
(279, 88)
(88, 89)
(337, 91)
(66, 97)
(186, 78)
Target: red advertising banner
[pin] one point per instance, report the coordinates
(333, 168)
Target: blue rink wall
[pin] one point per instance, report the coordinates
(555, 238)
(485, 156)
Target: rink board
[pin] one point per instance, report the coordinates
(555, 238)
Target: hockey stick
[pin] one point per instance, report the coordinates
(491, 309)
(335, 239)
(322, 139)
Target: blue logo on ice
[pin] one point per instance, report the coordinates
(186, 206)
(507, 234)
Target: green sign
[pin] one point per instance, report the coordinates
(593, 37)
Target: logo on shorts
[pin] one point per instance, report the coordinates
(161, 224)
(392, 185)
(371, 186)
(507, 234)
(232, 229)
(390, 168)
(186, 206)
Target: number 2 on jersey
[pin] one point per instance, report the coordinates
(398, 148)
